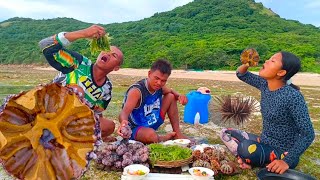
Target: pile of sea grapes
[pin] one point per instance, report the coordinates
(120, 154)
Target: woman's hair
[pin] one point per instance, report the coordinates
(162, 65)
(291, 63)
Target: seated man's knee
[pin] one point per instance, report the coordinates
(170, 96)
(153, 138)
(147, 135)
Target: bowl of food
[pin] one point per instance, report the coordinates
(182, 142)
(201, 173)
(169, 142)
(136, 172)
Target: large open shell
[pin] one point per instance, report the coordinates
(46, 133)
(250, 56)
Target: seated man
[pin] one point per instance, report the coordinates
(89, 80)
(146, 104)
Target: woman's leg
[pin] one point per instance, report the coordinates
(232, 137)
(257, 154)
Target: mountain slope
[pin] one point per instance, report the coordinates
(204, 34)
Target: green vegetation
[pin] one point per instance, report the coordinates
(100, 44)
(204, 34)
(160, 152)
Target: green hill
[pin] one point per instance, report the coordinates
(204, 34)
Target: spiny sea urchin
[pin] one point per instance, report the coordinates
(237, 109)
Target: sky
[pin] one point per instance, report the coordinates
(305, 11)
(111, 11)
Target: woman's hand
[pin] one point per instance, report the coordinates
(278, 166)
(243, 68)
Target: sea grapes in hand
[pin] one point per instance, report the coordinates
(126, 131)
(100, 44)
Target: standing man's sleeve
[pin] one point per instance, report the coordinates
(60, 58)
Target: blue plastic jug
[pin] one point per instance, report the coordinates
(196, 110)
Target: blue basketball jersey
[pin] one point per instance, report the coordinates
(147, 114)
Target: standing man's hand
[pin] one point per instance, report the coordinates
(94, 31)
(278, 166)
(91, 32)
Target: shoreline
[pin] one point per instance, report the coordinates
(300, 79)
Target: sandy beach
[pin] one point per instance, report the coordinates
(301, 79)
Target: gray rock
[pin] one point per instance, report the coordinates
(168, 128)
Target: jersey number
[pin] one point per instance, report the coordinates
(152, 120)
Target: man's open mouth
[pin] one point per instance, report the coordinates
(104, 59)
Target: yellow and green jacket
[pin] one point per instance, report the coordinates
(75, 69)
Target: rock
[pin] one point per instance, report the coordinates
(168, 128)
(192, 130)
